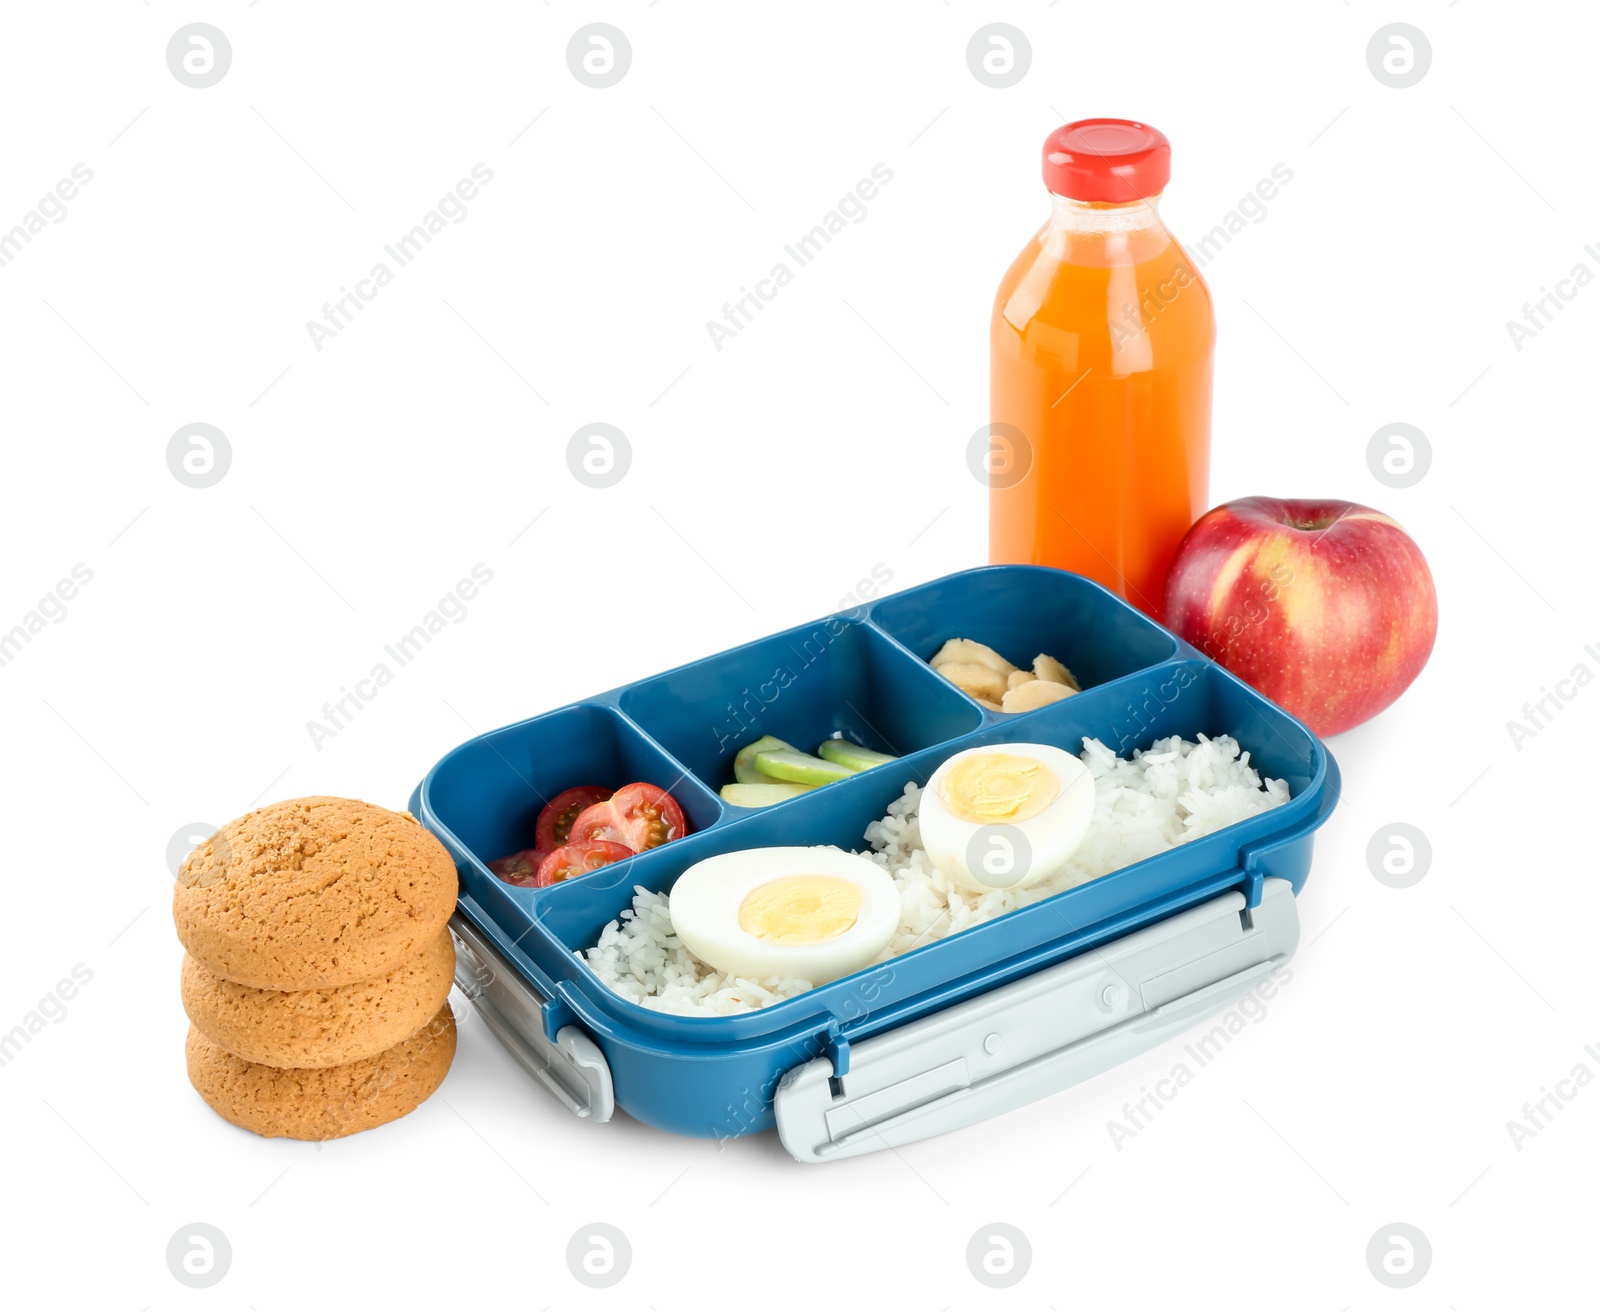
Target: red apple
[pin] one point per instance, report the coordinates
(1327, 607)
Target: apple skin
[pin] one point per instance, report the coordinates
(1327, 607)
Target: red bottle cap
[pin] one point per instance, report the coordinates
(1107, 159)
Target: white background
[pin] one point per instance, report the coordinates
(828, 437)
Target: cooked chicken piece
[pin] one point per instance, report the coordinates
(1051, 670)
(979, 680)
(1034, 694)
(964, 651)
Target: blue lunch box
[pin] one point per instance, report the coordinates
(957, 1029)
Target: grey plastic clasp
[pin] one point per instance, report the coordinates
(573, 1067)
(1039, 1034)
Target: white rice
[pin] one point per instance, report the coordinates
(1175, 792)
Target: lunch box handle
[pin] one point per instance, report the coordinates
(1040, 1034)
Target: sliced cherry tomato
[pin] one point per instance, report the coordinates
(555, 821)
(641, 816)
(520, 868)
(579, 858)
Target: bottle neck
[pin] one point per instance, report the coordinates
(1080, 216)
(1092, 233)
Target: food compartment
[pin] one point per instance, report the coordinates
(1187, 699)
(835, 676)
(1022, 611)
(489, 791)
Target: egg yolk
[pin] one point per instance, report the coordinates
(800, 909)
(999, 788)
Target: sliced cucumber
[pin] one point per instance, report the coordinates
(791, 766)
(761, 794)
(744, 764)
(841, 751)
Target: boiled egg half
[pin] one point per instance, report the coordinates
(1006, 816)
(812, 913)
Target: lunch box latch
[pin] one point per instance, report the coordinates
(1254, 882)
(569, 1063)
(1037, 1035)
(836, 1050)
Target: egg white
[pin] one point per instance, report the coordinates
(957, 847)
(705, 905)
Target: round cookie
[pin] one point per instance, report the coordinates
(314, 893)
(313, 1028)
(327, 1103)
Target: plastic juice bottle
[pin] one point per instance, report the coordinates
(1100, 372)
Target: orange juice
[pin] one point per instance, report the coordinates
(1100, 373)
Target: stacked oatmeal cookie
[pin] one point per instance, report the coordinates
(318, 967)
